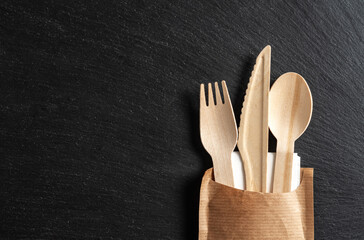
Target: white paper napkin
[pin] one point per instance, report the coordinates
(238, 171)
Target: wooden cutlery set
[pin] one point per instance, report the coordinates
(278, 203)
(285, 109)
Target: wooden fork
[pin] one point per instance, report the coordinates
(218, 131)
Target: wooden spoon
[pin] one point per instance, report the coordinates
(290, 110)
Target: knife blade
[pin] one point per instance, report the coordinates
(253, 129)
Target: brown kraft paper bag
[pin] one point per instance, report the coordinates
(229, 213)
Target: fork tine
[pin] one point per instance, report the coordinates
(225, 92)
(202, 96)
(217, 94)
(211, 96)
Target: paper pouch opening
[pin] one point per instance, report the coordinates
(229, 213)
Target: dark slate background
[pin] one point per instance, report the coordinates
(99, 110)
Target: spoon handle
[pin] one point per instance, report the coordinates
(283, 166)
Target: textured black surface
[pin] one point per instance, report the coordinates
(99, 110)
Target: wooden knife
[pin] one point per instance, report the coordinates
(253, 129)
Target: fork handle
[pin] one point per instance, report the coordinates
(223, 170)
